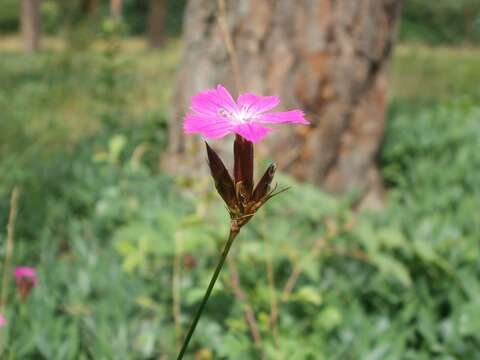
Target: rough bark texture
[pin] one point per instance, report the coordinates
(156, 23)
(30, 23)
(328, 57)
(92, 7)
(116, 9)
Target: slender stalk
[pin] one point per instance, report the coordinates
(176, 293)
(332, 231)
(8, 257)
(272, 289)
(321, 243)
(247, 308)
(233, 234)
(9, 250)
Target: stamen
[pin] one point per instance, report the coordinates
(243, 115)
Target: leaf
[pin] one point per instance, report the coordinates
(115, 146)
(329, 318)
(469, 321)
(392, 238)
(391, 267)
(309, 294)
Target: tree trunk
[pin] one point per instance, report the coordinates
(116, 9)
(328, 57)
(30, 24)
(92, 7)
(156, 23)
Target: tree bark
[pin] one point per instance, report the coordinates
(116, 9)
(92, 7)
(156, 23)
(30, 24)
(328, 57)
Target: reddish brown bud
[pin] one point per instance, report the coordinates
(223, 180)
(24, 285)
(189, 261)
(263, 186)
(242, 201)
(243, 164)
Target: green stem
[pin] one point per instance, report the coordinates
(221, 261)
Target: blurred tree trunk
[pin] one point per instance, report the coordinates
(30, 24)
(328, 57)
(116, 9)
(156, 23)
(92, 7)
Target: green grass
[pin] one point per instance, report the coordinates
(428, 74)
(118, 243)
(62, 87)
(419, 74)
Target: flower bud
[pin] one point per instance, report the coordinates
(26, 279)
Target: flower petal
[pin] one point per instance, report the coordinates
(211, 127)
(292, 116)
(225, 96)
(25, 271)
(212, 101)
(257, 104)
(251, 131)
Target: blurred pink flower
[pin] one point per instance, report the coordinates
(25, 272)
(3, 321)
(214, 114)
(26, 279)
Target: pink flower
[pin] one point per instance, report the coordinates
(214, 114)
(25, 272)
(26, 279)
(3, 321)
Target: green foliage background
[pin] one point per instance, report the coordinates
(434, 22)
(441, 21)
(59, 15)
(118, 243)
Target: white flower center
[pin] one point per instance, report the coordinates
(244, 115)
